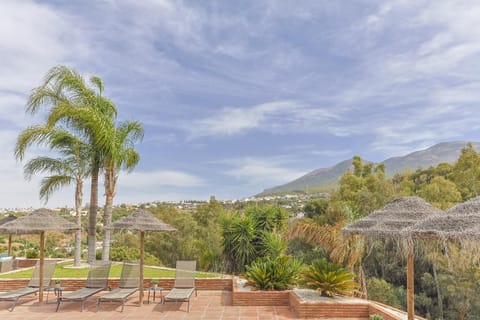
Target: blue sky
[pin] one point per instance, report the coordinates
(238, 96)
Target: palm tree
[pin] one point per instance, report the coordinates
(81, 107)
(345, 251)
(72, 168)
(119, 154)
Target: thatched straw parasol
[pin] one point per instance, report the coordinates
(10, 217)
(37, 222)
(391, 221)
(460, 222)
(143, 221)
(393, 218)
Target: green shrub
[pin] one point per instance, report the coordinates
(382, 291)
(151, 260)
(130, 254)
(61, 253)
(32, 253)
(376, 317)
(273, 274)
(273, 245)
(328, 278)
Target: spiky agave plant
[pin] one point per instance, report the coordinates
(328, 278)
(273, 273)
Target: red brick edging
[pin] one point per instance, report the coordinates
(74, 284)
(356, 310)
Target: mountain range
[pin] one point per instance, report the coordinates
(324, 178)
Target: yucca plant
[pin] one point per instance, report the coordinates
(328, 278)
(273, 274)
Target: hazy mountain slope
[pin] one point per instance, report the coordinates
(442, 152)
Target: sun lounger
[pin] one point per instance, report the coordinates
(184, 285)
(97, 281)
(33, 285)
(129, 283)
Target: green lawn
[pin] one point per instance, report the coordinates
(116, 269)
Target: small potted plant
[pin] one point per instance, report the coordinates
(154, 283)
(57, 283)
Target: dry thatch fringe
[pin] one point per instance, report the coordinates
(447, 226)
(142, 220)
(374, 243)
(393, 218)
(451, 254)
(36, 222)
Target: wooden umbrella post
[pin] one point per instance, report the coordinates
(42, 255)
(142, 221)
(142, 258)
(410, 283)
(9, 245)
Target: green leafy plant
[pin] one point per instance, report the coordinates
(376, 317)
(273, 245)
(328, 278)
(154, 283)
(32, 253)
(273, 274)
(384, 292)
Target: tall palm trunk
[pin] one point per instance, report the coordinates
(78, 211)
(110, 181)
(92, 218)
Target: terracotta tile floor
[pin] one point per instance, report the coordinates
(207, 305)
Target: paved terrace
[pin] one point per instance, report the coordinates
(207, 305)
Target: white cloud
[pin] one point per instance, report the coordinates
(34, 38)
(277, 117)
(262, 172)
(148, 186)
(182, 24)
(140, 180)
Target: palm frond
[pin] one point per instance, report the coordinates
(51, 184)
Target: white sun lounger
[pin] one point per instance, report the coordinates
(97, 281)
(184, 285)
(33, 285)
(129, 283)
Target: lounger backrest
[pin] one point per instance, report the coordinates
(48, 269)
(130, 277)
(185, 274)
(98, 275)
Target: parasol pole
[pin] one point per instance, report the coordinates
(410, 284)
(9, 245)
(42, 255)
(142, 254)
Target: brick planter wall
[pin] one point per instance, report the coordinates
(261, 298)
(388, 314)
(375, 310)
(329, 310)
(258, 298)
(26, 263)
